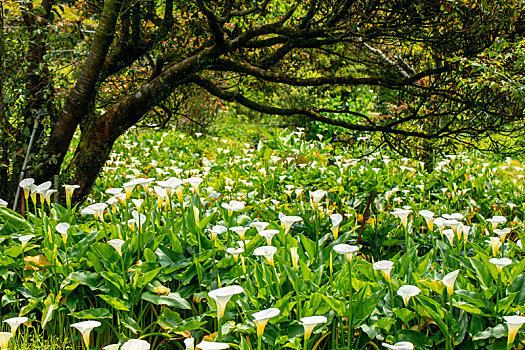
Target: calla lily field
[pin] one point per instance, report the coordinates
(197, 242)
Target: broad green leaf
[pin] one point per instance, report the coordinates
(471, 309)
(50, 305)
(518, 285)
(116, 280)
(482, 272)
(115, 303)
(405, 315)
(131, 324)
(33, 303)
(92, 314)
(492, 332)
(172, 299)
(13, 222)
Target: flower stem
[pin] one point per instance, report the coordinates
(219, 329)
(450, 342)
(498, 296)
(259, 342)
(350, 297)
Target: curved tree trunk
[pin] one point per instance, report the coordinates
(94, 147)
(81, 96)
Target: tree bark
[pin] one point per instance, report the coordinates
(4, 156)
(79, 99)
(95, 144)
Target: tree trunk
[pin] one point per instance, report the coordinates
(94, 147)
(4, 156)
(80, 98)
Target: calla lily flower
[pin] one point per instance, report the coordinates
(288, 221)
(111, 347)
(466, 231)
(233, 206)
(408, 291)
(62, 228)
(195, 183)
(402, 214)
(189, 343)
(449, 281)
(440, 223)
(449, 233)
(295, 257)
(99, 209)
(117, 244)
(217, 230)
(514, 323)
(241, 231)
(315, 198)
(259, 225)
(309, 324)
(429, 218)
(346, 249)
(261, 318)
(235, 252)
(85, 328)
(500, 263)
(25, 239)
(15, 322)
(502, 233)
(403, 345)
(336, 221)
(454, 216)
(208, 345)
(268, 235)
(495, 220)
(267, 252)
(495, 244)
(138, 203)
(113, 191)
(42, 189)
(452, 223)
(4, 340)
(222, 296)
(385, 266)
(129, 186)
(26, 184)
(47, 196)
(136, 344)
(69, 192)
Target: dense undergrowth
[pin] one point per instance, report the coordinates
(380, 249)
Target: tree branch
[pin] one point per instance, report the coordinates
(233, 96)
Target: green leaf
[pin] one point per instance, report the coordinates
(147, 277)
(492, 332)
(115, 303)
(91, 279)
(33, 303)
(50, 305)
(405, 315)
(308, 244)
(131, 324)
(116, 280)
(92, 314)
(471, 309)
(169, 319)
(518, 286)
(482, 272)
(13, 222)
(172, 299)
(244, 345)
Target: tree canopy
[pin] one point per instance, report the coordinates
(444, 68)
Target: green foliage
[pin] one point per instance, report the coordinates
(155, 285)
